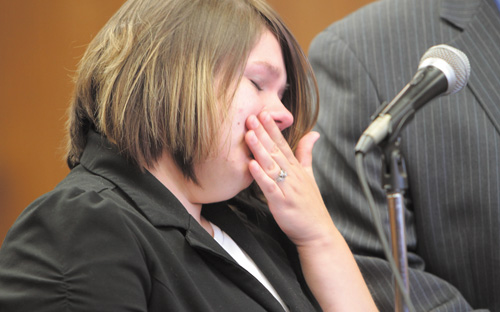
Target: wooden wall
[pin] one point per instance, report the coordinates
(40, 45)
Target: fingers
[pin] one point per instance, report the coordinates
(264, 130)
(305, 147)
(262, 156)
(273, 154)
(295, 202)
(270, 136)
(265, 150)
(267, 184)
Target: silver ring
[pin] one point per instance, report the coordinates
(281, 176)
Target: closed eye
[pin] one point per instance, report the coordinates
(256, 85)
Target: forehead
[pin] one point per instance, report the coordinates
(267, 55)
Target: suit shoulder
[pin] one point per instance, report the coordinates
(379, 20)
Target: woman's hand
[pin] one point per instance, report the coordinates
(297, 206)
(295, 201)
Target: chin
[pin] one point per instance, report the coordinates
(243, 184)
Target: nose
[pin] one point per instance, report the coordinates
(280, 114)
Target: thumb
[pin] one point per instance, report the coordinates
(303, 152)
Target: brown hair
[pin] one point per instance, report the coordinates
(146, 81)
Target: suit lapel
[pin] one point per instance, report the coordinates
(459, 12)
(480, 41)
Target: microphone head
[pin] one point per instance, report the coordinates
(452, 62)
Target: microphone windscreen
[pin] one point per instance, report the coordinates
(455, 59)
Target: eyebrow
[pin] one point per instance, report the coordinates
(274, 70)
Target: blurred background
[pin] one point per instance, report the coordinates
(41, 42)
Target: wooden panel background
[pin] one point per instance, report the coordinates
(40, 45)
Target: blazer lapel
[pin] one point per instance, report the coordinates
(276, 268)
(214, 254)
(480, 41)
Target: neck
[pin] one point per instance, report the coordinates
(167, 172)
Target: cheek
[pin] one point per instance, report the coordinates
(244, 109)
(241, 115)
(245, 103)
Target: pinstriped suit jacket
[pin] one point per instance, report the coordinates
(452, 147)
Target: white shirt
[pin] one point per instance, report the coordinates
(244, 260)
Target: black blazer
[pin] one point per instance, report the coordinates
(452, 147)
(112, 238)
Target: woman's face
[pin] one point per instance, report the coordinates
(261, 88)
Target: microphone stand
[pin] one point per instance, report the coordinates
(395, 182)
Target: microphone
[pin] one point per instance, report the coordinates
(442, 70)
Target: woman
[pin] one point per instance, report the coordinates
(179, 106)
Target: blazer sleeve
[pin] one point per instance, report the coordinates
(72, 251)
(348, 97)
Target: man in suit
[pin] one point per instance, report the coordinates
(452, 148)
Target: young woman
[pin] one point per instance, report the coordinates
(179, 107)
